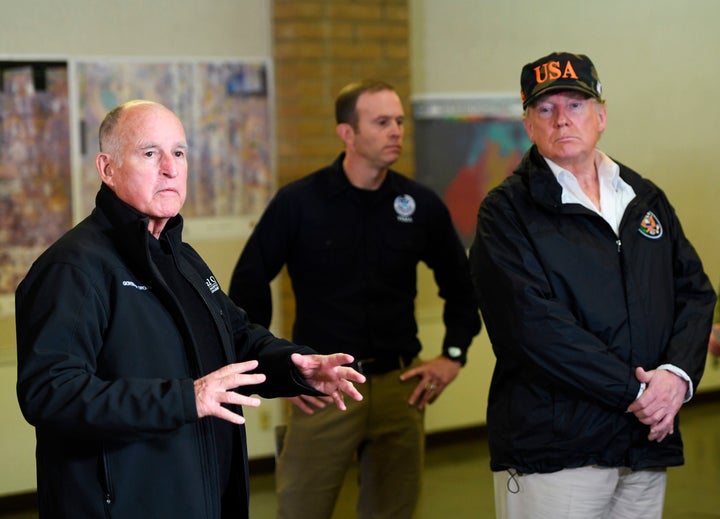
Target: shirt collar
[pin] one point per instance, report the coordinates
(339, 182)
(615, 193)
(608, 171)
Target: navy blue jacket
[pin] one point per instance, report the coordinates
(106, 364)
(571, 310)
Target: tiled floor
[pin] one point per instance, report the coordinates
(458, 483)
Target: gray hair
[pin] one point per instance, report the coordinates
(107, 134)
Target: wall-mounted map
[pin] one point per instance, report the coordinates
(465, 146)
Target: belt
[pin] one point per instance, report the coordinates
(382, 365)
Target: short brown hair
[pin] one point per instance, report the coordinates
(346, 101)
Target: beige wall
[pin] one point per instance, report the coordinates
(656, 59)
(214, 28)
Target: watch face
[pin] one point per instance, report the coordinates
(454, 352)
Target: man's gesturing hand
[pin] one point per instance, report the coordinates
(216, 388)
(327, 374)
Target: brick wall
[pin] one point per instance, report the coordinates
(318, 47)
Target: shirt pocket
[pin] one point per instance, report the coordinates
(328, 251)
(402, 247)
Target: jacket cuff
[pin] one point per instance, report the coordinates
(455, 353)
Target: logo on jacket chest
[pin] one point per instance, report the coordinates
(134, 285)
(212, 284)
(404, 208)
(650, 226)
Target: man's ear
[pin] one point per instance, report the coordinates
(602, 118)
(345, 132)
(104, 167)
(529, 129)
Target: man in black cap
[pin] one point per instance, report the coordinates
(598, 311)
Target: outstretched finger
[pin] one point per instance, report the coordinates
(231, 397)
(351, 374)
(339, 401)
(326, 361)
(339, 359)
(229, 416)
(237, 380)
(237, 367)
(350, 390)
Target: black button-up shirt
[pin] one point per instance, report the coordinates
(352, 257)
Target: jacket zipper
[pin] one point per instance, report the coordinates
(106, 478)
(206, 437)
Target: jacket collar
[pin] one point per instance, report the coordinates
(544, 187)
(539, 179)
(128, 228)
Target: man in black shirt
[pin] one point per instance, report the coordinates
(351, 235)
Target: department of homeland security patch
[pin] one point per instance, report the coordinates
(404, 207)
(650, 226)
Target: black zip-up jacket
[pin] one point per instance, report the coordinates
(106, 365)
(571, 310)
(352, 256)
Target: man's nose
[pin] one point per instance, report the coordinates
(561, 118)
(167, 166)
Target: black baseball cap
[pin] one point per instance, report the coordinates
(559, 71)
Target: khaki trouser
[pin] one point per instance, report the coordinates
(586, 492)
(383, 431)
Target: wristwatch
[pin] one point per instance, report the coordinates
(455, 353)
